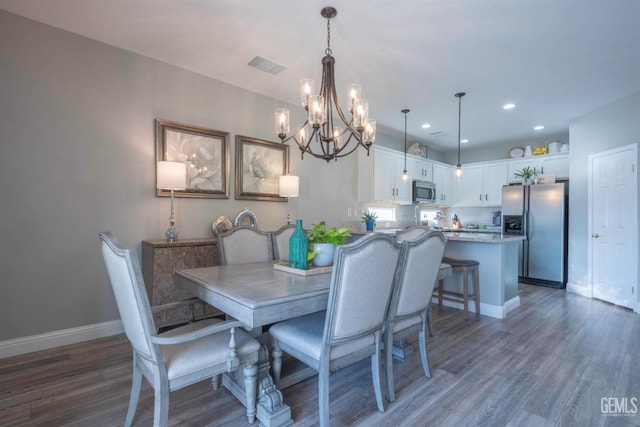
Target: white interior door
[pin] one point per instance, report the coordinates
(613, 225)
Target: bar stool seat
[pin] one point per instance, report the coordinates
(464, 266)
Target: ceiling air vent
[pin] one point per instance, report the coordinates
(266, 65)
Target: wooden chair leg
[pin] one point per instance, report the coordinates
(422, 338)
(430, 318)
(375, 372)
(136, 383)
(215, 382)
(323, 395)
(388, 364)
(465, 292)
(476, 284)
(440, 293)
(161, 405)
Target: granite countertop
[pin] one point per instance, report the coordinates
(480, 237)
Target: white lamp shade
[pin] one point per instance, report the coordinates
(172, 175)
(289, 186)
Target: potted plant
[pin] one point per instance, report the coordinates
(369, 219)
(322, 242)
(525, 173)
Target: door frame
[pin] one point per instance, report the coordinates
(592, 157)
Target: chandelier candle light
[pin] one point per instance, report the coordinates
(330, 137)
(171, 176)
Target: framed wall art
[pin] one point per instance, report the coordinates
(259, 165)
(206, 153)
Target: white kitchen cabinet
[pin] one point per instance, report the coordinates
(443, 177)
(558, 164)
(481, 184)
(380, 176)
(422, 169)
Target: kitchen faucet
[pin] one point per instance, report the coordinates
(417, 213)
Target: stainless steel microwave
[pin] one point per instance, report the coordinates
(424, 192)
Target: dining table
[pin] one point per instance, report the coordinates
(261, 294)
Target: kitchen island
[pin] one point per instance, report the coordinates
(498, 270)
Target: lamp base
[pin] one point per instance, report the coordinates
(172, 234)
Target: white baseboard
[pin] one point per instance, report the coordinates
(18, 346)
(584, 291)
(499, 312)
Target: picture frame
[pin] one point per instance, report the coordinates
(259, 165)
(206, 153)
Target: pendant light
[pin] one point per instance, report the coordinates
(405, 174)
(459, 95)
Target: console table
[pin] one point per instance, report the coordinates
(160, 259)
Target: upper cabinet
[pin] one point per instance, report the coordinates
(443, 178)
(422, 169)
(557, 164)
(380, 176)
(481, 184)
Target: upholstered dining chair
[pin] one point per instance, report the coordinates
(351, 327)
(181, 356)
(411, 233)
(280, 241)
(243, 245)
(411, 298)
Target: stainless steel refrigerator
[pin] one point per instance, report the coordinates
(540, 213)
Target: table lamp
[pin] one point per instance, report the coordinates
(171, 176)
(289, 187)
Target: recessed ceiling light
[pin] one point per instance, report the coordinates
(508, 106)
(539, 127)
(464, 141)
(426, 126)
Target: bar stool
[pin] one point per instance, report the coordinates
(464, 266)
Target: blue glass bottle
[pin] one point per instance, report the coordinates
(299, 247)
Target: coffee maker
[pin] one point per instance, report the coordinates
(496, 218)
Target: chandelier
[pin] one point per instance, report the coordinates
(327, 133)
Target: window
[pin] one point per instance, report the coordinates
(384, 214)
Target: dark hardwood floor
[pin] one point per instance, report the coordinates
(550, 362)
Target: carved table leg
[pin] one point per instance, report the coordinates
(272, 411)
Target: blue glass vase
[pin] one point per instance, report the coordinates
(299, 248)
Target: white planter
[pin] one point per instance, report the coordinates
(323, 254)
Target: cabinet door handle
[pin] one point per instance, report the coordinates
(486, 197)
(480, 197)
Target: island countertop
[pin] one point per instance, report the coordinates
(455, 236)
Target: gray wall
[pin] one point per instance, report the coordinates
(78, 157)
(614, 125)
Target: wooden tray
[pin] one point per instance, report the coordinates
(284, 266)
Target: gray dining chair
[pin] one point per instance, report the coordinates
(280, 241)
(412, 233)
(181, 356)
(351, 328)
(411, 298)
(243, 245)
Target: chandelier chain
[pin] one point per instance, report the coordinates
(328, 51)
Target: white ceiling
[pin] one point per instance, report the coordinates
(555, 59)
